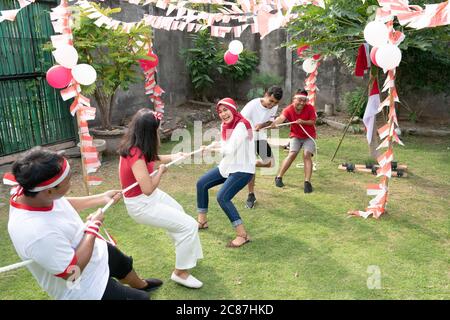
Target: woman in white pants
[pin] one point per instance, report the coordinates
(147, 204)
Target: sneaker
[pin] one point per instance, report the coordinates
(190, 281)
(251, 199)
(308, 187)
(279, 182)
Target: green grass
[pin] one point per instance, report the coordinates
(304, 246)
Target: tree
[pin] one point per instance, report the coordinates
(112, 54)
(338, 30)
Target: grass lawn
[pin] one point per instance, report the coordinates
(304, 246)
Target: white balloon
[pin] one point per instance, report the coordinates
(388, 56)
(309, 65)
(84, 74)
(66, 55)
(376, 33)
(235, 47)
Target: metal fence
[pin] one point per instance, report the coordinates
(31, 112)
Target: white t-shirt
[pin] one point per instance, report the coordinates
(256, 113)
(238, 152)
(49, 237)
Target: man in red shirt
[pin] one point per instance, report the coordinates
(302, 134)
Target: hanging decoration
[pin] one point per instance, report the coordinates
(388, 56)
(263, 18)
(67, 56)
(152, 89)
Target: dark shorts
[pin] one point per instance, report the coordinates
(263, 150)
(119, 266)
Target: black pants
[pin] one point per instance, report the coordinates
(119, 266)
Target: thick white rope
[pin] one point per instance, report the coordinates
(16, 266)
(106, 207)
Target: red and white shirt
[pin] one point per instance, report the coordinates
(308, 112)
(49, 237)
(126, 173)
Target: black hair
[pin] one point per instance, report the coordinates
(35, 166)
(143, 134)
(276, 92)
(301, 91)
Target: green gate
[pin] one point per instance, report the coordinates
(31, 112)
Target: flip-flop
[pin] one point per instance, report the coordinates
(232, 245)
(202, 225)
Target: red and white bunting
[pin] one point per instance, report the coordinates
(91, 164)
(70, 92)
(87, 140)
(310, 85)
(414, 16)
(153, 90)
(384, 131)
(89, 152)
(265, 21)
(375, 189)
(10, 15)
(94, 181)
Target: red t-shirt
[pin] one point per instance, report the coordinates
(126, 174)
(307, 113)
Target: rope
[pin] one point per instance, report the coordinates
(16, 266)
(106, 207)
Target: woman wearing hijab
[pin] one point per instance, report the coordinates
(234, 171)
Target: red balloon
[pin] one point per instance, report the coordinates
(230, 58)
(317, 56)
(373, 52)
(148, 64)
(301, 49)
(58, 77)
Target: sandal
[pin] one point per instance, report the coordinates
(202, 225)
(232, 245)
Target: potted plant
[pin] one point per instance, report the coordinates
(114, 54)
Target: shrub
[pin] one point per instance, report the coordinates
(355, 101)
(261, 82)
(205, 64)
(200, 61)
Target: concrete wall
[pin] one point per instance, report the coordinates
(334, 80)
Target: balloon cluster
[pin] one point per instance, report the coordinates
(384, 53)
(61, 75)
(231, 56)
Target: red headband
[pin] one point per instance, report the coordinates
(301, 95)
(10, 180)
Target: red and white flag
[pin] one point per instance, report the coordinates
(371, 110)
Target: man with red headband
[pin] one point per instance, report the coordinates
(302, 134)
(71, 259)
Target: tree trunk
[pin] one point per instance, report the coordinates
(104, 104)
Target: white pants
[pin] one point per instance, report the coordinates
(162, 211)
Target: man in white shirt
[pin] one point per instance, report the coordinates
(261, 112)
(71, 259)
